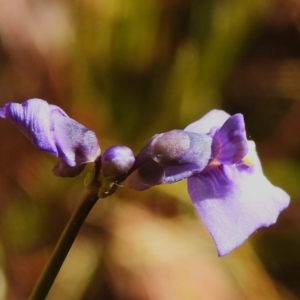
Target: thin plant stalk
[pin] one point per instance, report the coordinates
(63, 246)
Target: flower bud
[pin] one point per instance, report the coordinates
(116, 161)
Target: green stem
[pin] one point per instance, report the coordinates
(63, 246)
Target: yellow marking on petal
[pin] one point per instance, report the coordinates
(247, 160)
(214, 162)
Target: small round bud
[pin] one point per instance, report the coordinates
(117, 160)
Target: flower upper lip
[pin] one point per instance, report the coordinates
(51, 130)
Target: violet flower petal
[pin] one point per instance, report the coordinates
(230, 142)
(214, 118)
(50, 129)
(233, 201)
(32, 118)
(75, 143)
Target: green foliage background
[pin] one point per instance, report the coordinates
(130, 69)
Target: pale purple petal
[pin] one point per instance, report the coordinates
(214, 118)
(233, 201)
(32, 118)
(229, 142)
(75, 143)
(50, 129)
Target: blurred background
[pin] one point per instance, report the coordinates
(129, 69)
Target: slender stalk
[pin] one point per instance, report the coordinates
(63, 246)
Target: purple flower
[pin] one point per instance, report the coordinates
(178, 154)
(236, 199)
(225, 180)
(50, 129)
(233, 201)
